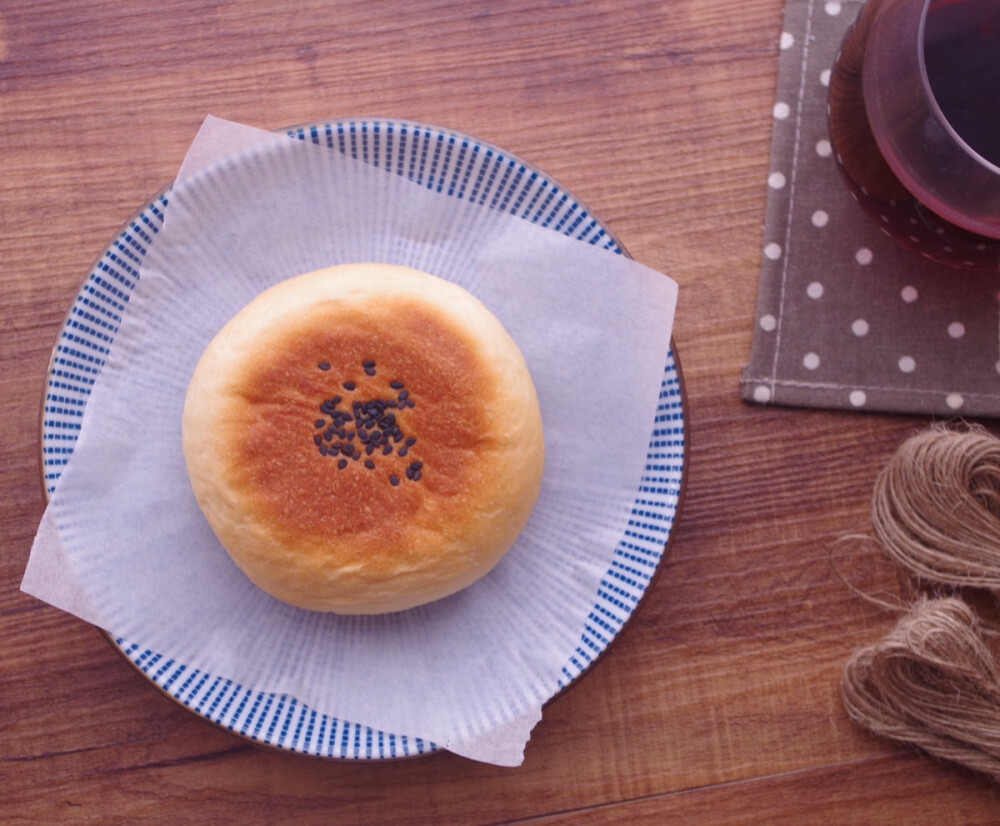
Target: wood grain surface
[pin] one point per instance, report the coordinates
(720, 703)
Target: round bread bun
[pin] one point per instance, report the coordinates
(364, 439)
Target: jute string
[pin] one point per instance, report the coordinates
(932, 682)
(936, 507)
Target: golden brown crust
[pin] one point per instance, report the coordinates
(286, 401)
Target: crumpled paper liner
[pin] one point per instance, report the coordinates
(123, 544)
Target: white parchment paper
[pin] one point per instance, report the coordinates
(123, 544)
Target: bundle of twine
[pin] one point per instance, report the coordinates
(936, 507)
(932, 682)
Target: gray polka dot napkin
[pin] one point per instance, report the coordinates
(845, 317)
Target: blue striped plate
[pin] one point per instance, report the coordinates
(461, 167)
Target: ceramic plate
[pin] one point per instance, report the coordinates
(459, 166)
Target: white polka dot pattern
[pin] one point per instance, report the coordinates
(846, 318)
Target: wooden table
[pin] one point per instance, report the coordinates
(720, 703)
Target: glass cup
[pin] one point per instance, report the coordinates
(914, 117)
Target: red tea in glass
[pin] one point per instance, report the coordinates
(914, 117)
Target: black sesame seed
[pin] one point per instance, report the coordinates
(318, 439)
(349, 385)
(350, 435)
(342, 464)
(356, 456)
(369, 464)
(386, 449)
(416, 465)
(403, 451)
(348, 449)
(416, 476)
(370, 448)
(368, 364)
(320, 422)
(411, 441)
(403, 395)
(409, 473)
(335, 400)
(324, 365)
(396, 385)
(394, 480)
(323, 450)
(369, 371)
(410, 403)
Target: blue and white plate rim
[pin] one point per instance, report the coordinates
(511, 185)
